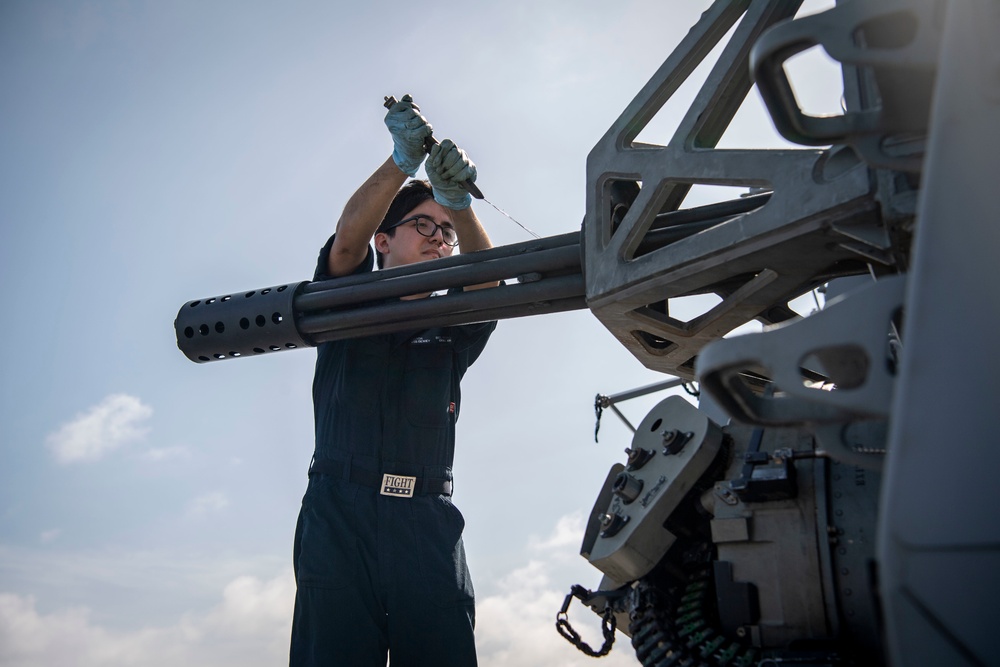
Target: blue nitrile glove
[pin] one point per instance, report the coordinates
(408, 129)
(447, 168)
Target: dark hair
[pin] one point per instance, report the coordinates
(408, 198)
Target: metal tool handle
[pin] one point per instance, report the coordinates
(429, 143)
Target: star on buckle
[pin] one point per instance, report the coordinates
(398, 486)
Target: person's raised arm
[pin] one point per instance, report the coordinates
(447, 168)
(366, 207)
(361, 217)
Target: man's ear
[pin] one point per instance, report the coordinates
(382, 243)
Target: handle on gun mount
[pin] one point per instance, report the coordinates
(429, 143)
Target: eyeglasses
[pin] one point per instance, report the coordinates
(426, 226)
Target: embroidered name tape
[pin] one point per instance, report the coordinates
(400, 486)
(424, 340)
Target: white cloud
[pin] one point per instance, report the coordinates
(516, 625)
(157, 454)
(49, 536)
(254, 607)
(249, 626)
(209, 503)
(113, 422)
(567, 533)
(26, 636)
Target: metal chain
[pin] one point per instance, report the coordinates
(608, 624)
(600, 402)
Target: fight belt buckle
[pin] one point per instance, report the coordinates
(398, 486)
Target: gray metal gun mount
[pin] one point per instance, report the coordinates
(845, 513)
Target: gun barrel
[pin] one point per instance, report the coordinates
(286, 317)
(546, 277)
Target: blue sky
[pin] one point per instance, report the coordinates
(152, 153)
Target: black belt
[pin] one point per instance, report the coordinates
(388, 484)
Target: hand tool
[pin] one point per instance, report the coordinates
(470, 187)
(429, 143)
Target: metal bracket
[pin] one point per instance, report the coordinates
(898, 39)
(855, 357)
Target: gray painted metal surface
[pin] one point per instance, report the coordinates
(632, 539)
(898, 567)
(756, 261)
(939, 541)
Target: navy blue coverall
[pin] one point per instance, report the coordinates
(378, 573)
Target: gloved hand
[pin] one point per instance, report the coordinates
(408, 129)
(447, 168)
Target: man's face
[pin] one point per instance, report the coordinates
(408, 246)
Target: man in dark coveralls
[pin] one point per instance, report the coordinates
(379, 562)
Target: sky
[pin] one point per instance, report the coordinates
(152, 153)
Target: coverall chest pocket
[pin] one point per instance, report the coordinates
(427, 392)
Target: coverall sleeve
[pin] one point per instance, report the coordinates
(470, 340)
(322, 263)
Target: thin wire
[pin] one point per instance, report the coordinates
(508, 215)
